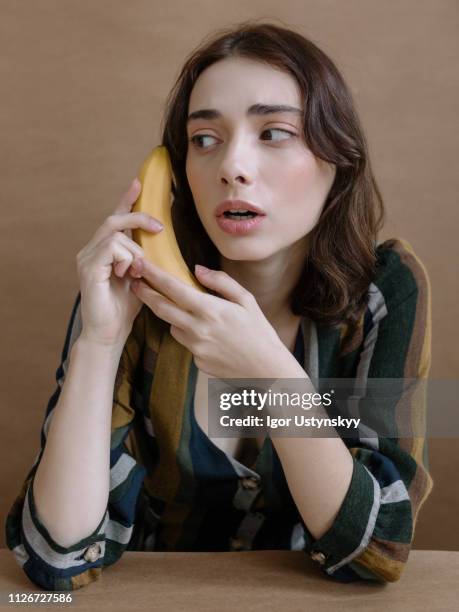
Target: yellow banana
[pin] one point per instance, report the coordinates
(160, 248)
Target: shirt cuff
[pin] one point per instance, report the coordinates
(352, 528)
(51, 565)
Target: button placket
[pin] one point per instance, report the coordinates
(248, 489)
(250, 482)
(247, 531)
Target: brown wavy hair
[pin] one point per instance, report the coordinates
(341, 260)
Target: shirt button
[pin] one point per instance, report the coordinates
(236, 544)
(92, 553)
(318, 556)
(250, 482)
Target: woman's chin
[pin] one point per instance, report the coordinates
(243, 253)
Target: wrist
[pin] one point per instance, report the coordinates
(283, 364)
(85, 343)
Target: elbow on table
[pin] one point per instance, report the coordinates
(378, 563)
(57, 580)
(372, 566)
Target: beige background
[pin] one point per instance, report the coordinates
(83, 87)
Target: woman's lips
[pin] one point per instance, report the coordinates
(239, 226)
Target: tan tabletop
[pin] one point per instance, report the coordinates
(250, 580)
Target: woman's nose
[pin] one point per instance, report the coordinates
(234, 169)
(237, 179)
(235, 166)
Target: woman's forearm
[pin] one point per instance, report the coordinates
(71, 485)
(318, 470)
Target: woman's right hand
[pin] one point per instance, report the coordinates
(108, 306)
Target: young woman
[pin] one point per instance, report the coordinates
(259, 117)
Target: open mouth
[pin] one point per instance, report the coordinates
(239, 222)
(241, 215)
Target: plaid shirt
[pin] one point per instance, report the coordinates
(173, 489)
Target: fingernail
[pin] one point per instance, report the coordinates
(134, 272)
(135, 182)
(137, 265)
(156, 224)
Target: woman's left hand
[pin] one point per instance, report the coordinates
(229, 337)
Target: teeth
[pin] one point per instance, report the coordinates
(238, 211)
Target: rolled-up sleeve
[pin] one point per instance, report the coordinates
(47, 564)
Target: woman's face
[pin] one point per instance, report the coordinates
(261, 158)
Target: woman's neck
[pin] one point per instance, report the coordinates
(271, 281)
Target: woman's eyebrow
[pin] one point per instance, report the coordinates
(255, 109)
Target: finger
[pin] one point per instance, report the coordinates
(120, 222)
(130, 244)
(225, 285)
(120, 257)
(184, 295)
(163, 307)
(120, 268)
(110, 252)
(129, 197)
(100, 266)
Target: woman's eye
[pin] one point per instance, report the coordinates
(195, 139)
(279, 130)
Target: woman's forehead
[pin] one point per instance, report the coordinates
(245, 80)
